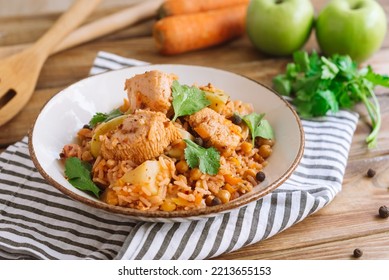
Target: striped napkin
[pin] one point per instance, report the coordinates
(39, 222)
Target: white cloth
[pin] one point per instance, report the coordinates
(37, 221)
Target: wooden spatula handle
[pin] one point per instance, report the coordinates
(103, 26)
(119, 20)
(71, 19)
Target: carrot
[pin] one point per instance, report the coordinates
(232, 180)
(179, 7)
(183, 33)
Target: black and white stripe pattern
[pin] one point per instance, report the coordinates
(109, 61)
(37, 221)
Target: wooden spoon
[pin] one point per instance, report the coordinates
(100, 27)
(19, 73)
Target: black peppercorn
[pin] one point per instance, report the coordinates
(370, 173)
(357, 253)
(260, 176)
(383, 212)
(216, 201)
(236, 119)
(199, 141)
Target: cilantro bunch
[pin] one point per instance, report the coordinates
(319, 84)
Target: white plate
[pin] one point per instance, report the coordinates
(70, 109)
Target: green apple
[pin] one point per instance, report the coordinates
(279, 27)
(351, 27)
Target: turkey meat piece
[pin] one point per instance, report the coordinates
(150, 90)
(142, 136)
(218, 131)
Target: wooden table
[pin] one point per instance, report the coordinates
(350, 221)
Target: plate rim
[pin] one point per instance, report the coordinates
(199, 213)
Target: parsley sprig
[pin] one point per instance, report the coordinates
(187, 100)
(258, 126)
(78, 174)
(319, 84)
(206, 159)
(103, 117)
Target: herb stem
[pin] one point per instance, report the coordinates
(371, 139)
(373, 110)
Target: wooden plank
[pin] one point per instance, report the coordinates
(18, 127)
(19, 30)
(353, 215)
(350, 221)
(373, 246)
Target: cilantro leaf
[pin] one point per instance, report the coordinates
(78, 174)
(329, 69)
(291, 71)
(207, 160)
(282, 85)
(314, 64)
(376, 79)
(301, 60)
(265, 130)
(97, 118)
(258, 126)
(321, 84)
(187, 100)
(102, 117)
(346, 65)
(330, 99)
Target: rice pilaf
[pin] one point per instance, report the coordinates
(173, 184)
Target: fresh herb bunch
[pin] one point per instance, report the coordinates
(319, 84)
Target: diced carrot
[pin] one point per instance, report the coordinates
(183, 33)
(198, 199)
(234, 128)
(232, 180)
(180, 145)
(168, 206)
(109, 196)
(181, 202)
(179, 7)
(246, 147)
(235, 161)
(229, 188)
(204, 133)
